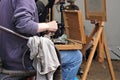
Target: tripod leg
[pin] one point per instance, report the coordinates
(109, 59)
(101, 49)
(89, 61)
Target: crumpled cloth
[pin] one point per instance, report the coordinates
(43, 54)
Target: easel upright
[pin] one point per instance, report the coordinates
(97, 16)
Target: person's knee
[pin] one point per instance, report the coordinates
(71, 57)
(78, 56)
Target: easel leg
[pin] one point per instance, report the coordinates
(108, 59)
(100, 49)
(89, 61)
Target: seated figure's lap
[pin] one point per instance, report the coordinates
(71, 61)
(68, 56)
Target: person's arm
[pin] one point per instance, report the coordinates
(25, 18)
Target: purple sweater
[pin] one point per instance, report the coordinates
(21, 17)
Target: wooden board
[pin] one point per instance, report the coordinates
(68, 46)
(95, 10)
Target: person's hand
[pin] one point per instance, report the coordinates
(49, 27)
(52, 26)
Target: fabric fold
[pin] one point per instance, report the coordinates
(43, 54)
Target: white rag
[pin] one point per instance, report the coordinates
(43, 54)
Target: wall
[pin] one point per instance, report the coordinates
(112, 26)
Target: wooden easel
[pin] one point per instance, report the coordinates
(74, 30)
(98, 35)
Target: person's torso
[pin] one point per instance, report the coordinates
(11, 46)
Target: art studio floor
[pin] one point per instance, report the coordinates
(99, 72)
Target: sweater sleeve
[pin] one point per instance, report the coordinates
(25, 16)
